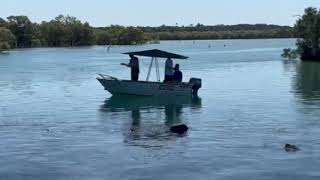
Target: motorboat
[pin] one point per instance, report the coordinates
(117, 86)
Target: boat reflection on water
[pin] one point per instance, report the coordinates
(150, 118)
(128, 102)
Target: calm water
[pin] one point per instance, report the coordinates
(57, 122)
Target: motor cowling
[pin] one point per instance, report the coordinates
(196, 85)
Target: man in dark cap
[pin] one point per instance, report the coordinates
(134, 65)
(177, 75)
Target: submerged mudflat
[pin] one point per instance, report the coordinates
(57, 122)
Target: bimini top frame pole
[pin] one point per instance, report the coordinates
(155, 60)
(149, 71)
(157, 70)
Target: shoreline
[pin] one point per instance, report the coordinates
(96, 45)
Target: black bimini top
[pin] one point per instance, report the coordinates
(157, 54)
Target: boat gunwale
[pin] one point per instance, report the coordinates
(145, 82)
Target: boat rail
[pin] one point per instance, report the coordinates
(108, 77)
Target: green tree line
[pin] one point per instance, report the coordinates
(238, 34)
(204, 32)
(307, 28)
(65, 31)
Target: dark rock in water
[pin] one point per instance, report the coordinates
(179, 129)
(291, 148)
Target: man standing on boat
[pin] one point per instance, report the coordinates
(168, 71)
(134, 65)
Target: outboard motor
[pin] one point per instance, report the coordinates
(196, 85)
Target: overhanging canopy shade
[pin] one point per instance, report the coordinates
(157, 54)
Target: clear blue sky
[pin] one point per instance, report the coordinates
(154, 13)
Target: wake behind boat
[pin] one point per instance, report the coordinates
(151, 88)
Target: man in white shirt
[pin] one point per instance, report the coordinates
(168, 71)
